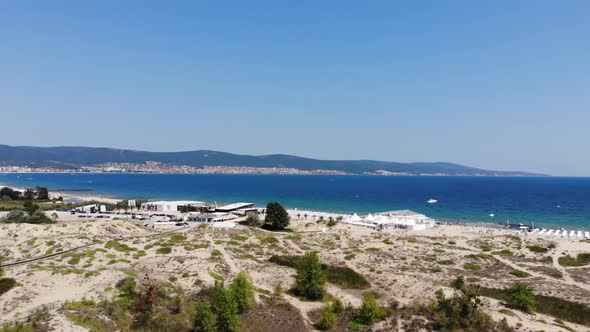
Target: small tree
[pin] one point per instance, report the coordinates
(458, 283)
(310, 280)
(227, 311)
(337, 306)
(243, 291)
(522, 297)
(42, 193)
(369, 311)
(277, 217)
(253, 220)
(331, 222)
(327, 318)
(29, 194)
(204, 320)
(30, 207)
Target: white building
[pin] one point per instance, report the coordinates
(404, 219)
(92, 208)
(168, 206)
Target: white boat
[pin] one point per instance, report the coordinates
(492, 215)
(432, 201)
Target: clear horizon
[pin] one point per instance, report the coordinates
(500, 86)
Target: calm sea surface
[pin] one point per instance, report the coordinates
(548, 201)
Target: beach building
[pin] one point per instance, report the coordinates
(170, 206)
(241, 206)
(92, 208)
(404, 219)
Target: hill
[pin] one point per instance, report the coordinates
(76, 158)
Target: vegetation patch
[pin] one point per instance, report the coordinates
(471, 266)
(445, 262)
(563, 309)
(538, 249)
(580, 260)
(6, 284)
(519, 274)
(504, 252)
(344, 277)
(163, 250)
(121, 247)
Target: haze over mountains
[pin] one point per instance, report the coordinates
(77, 158)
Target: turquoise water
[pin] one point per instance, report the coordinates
(548, 201)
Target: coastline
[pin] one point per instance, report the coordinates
(122, 187)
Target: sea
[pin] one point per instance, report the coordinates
(544, 201)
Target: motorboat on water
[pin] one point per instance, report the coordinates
(432, 201)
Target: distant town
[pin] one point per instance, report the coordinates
(154, 167)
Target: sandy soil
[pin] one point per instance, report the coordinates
(401, 265)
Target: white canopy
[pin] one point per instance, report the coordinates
(369, 217)
(355, 218)
(381, 220)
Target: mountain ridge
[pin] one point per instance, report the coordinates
(76, 157)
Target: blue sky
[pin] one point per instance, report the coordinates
(492, 84)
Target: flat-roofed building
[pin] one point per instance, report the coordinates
(234, 207)
(167, 206)
(405, 219)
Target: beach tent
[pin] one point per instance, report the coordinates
(370, 217)
(355, 218)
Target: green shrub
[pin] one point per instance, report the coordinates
(471, 266)
(521, 296)
(580, 260)
(204, 320)
(344, 277)
(243, 291)
(446, 262)
(164, 250)
(519, 274)
(6, 284)
(327, 318)
(370, 311)
(538, 249)
(310, 279)
(337, 306)
(225, 306)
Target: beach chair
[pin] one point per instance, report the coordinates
(587, 235)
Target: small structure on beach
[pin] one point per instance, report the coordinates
(404, 219)
(92, 208)
(170, 206)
